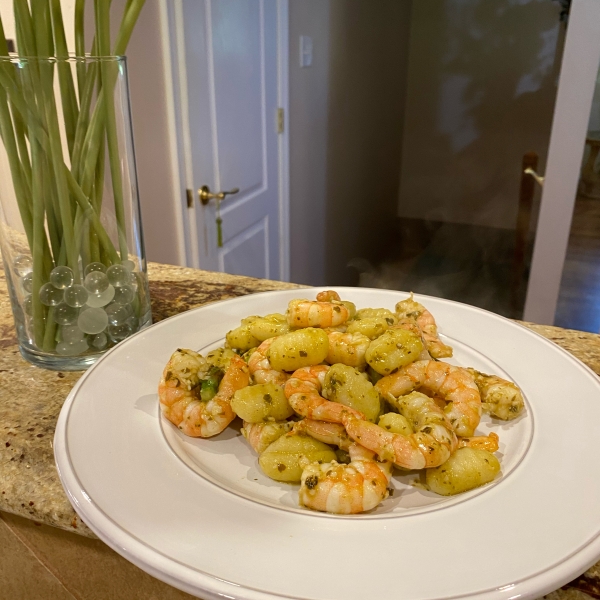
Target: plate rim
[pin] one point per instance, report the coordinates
(186, 577)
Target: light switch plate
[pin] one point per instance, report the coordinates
(306, 51)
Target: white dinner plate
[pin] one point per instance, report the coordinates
(201, 516)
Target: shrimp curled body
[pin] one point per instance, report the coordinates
(502, 399)
(345, 489)
(260, 366)
(431, 445)
(348, 348)
(303, 392)
(412, 310)
(308, 313)
(179, 389)
(454, 384)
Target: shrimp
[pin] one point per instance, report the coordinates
(431, 445)
(328, 296)
(303, 391)
(179, 390)
(308, 313)
(261, 435)
(454, 384)
(345, 489)
(411, 325)
(328, 433)
(348, 349)
(260, 367)
(500, 398)
(410, 309)
(481, 442)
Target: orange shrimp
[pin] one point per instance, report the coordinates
(309, 313)
(410, 309)
(347, 348)
(454, 384)
(431, 445)
(502, 399)
(260, 367)
(303, 391)
(179, 389)
(481, 442)
(345, 489)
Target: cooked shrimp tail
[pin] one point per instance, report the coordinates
(481, 442)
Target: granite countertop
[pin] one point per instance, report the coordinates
(31, 399)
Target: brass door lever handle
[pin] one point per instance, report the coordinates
(537, 177)
(206, 195)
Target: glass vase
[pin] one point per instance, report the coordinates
(70, 226)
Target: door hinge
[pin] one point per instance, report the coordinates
(280, 120)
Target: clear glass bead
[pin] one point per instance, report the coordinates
(129, 265)
(94, 266)
(27, 282)
(28, 305)
(61, 277)
(76, 296)
(93, 320)
(72, 349)
(51, 296)
(99, 341)
(133, 322)
(22, 265)
(118, 313)
(71, 334)
(65, 314)
(96, 282)
(118, 275)
(119, 332)
(124, 294)
(99, 300)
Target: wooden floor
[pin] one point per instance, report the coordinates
(579, 300)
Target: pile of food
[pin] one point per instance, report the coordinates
(335, 398)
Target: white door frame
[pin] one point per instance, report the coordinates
(179, 138)
(578, 73)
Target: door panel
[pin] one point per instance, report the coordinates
(248, 252)
(232, 77)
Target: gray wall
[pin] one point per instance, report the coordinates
(308, 119)
(346, 116)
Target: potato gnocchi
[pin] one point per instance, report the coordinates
(336, 398)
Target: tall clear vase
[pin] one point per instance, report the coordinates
(70, 225)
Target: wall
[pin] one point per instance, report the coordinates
(149, 113)
(308, 123)
(481, 90)
(369, 60)
(345, 132)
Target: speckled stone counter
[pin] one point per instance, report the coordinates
(31, 399)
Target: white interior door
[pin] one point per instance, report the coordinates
(229, 98)
(567, 141)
